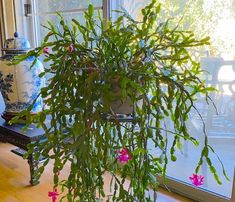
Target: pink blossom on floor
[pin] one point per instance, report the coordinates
(71, 48)
(46, 50)
(53, 195)
(123, 156)
(197, 180)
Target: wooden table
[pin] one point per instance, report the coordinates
(14, 135)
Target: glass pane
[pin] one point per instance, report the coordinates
(214, 18)
(62, 5)
(133, 7)
(54, 19)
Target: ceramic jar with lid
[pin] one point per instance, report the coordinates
(19, 84)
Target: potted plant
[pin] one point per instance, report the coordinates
(146, 64)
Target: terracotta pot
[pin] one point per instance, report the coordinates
(119, 106)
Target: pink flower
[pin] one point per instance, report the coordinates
(197, 180)
(46, 50)
(71, 48)
(53, 195)
(123, 156)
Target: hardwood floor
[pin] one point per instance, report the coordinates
(14, 181)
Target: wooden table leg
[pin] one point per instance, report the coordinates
(33, 166)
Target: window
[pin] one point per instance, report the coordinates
(46, 10)
(214, 18)
(69, 9)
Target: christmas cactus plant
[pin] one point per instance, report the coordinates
(152, 66)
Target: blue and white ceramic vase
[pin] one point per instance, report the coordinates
(19, 84)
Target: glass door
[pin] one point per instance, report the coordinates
(214, 18)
